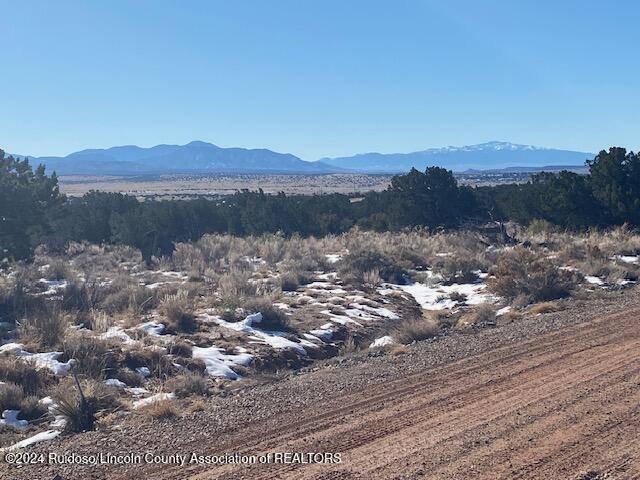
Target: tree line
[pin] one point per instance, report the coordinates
(33, 211)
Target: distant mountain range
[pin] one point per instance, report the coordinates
(484, 156)
(202, 157)
(194, 157)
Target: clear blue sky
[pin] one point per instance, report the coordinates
(318, 78)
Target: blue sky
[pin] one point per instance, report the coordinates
(318, 78)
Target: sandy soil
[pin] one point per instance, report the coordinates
(555, 398)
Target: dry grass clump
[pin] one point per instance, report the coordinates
(354, 267)
(128, 376)
(11, 396)
(187, 384)
(482, 315)
(123, 294)
(180, 348)
(236, 284)
(544, 307)
(291, 280)
(272, 318)
(160, 410)
(59, 269)
(178, 310)
(519, 272)
(43, 328)
(80, 408)
(31, 380)
(156, 360)
(94, 357)
(416, 329)
(454, 269)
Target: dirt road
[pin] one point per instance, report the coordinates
(565, 405)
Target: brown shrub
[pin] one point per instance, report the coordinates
(416, 329)
(179, 313)
(160, 410)
(46, 328)
(95, 358)
(521, 272)
(272, 318)
(187, 384)
(31, 380)
(544, 307)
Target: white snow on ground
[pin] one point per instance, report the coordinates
(328, 276)
(593, 280)
(178, 275)
(158, 397)
(53, 286)
(41, 360)
(430, 296)
(39, 437)
(628, 258)
(137, 390)
(10, 418)
(143, 371)
(59, 421)
(275, 339)
(118, 332)
(381, 312)
(333, 257)
(382, 342)
(341, 319)
(325, 332)
(114, 382)
(219, 363)
(503, 310)
(282, 306)
(152, 328)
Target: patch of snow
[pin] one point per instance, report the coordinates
(381, 312)
(114, 382)
(39, 437)
(333, 257)
(341, 319)
(152, 328)
(382, 342)
(429, 297)
(158, 397)
(137, 390)
(328, 276)
(282, 306)
(593, 280)
(628, 258)
(324, 333)
(275, 339)
(218, 363)
(41, 360)
(10, 418)
(178, 275)
(143, 371)
(118, 332)
(503, 310)
(53, 286)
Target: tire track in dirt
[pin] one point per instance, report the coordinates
(569, 363)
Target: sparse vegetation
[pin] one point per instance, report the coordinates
(417, 329)
(520, 272)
